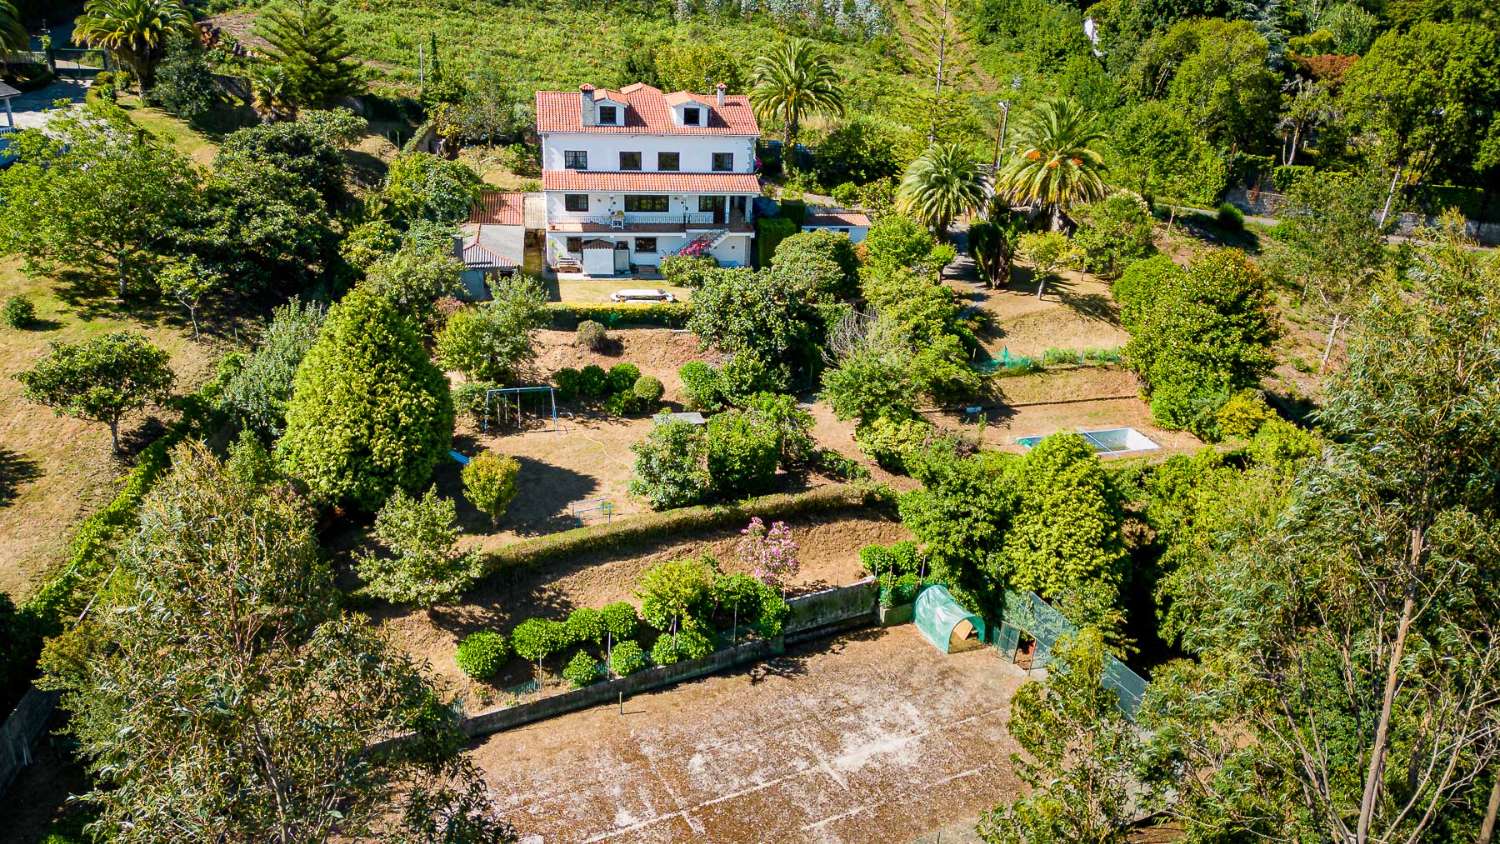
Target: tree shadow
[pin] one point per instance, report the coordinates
(16, 470)
(1207, 229)
(1092, 306)
(135, 440)
(543, 493)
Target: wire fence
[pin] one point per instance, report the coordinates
(1026, 614)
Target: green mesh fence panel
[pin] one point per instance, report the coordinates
(1027, 613)
(937, 615)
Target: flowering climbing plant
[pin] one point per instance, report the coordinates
(770, 552)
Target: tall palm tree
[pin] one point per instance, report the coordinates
(791, 82)
(944, 183)
(1054, 167)
(13, 37)
(135, 31)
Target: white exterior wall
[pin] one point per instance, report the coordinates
(602, 205)
(695, 151)
(856, 233)
(732, 251)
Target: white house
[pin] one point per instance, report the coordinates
(634, 175)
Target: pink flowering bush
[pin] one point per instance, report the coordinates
(770, 552)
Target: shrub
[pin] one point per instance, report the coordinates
(258, 393)
(481, 654)
(1279, 442)
(623, 404)
(586, 625)
(1230, 217)
(693, 644)
(468, 399)
(620, 620)
(581, 670)
(614, 315)
(700, 384)
(745, 374)
(793, 425)
(535, 639)
(846, 194)
(491, 340)
(593, 383)
(648, 390)
(490, 483)
(591, 336)
(622, 376)
(18, 312)
(1058, 357)
(890, 442)
(687, 270)
(568, 382)
(664, 652)
(743, 451)
(627, 658)
(820, 262)
(1243, 415)
(671, 466)
(900, 558)
(422, 564)
(1112, 233)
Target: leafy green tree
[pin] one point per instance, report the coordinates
(369, 412)
(535, 639)
(696, 65)
(824, 259)
(487, 342)
(671, 467)
(961, 515)
(191, 695)
(1081, 750)
(1047, 252)
(490, 483)
(339, 127)
(100, 380)
(1224, 86)
(257, 395)
(870, 384)
(184, 82)
(305, 150)
(1055, 164)
(675, 594)
(943, 184)
(186, 282)
(481, 654)
(414, 278)
(93, 195)
(859, 150)
(1422, 92)
(758, 313)
(897, 242)
(421, 564)
(306, 44)
(1113, 233)
(1065, 530)
(742, 453)
(135, 31)
(421, 186)
(1329, 243)
(1161, 156)
(791, 82)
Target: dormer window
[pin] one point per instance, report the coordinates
(692, 116)
(609, 115)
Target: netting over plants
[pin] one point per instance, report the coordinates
(1027, 616)
(945, 623)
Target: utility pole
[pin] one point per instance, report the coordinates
(1015, 85)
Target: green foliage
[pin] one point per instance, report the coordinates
(184, 82)
(1162, 156)
(943, 184)
(100, 380)
(742, 452)
(1113, 233)
(992, 242)
(897, 242)
(586, 625)
(626, 658)
(19, 312)
(307, 47)
(535, 639)
(1229, 217)
(688, 270)
(1048, 252)
(889, 441)
(338, 127)
(758, 313)
(187, 281)
(961, 516)
(674, 594)
(591, 335)
(421, 186)
(258, 393)
(490, 483)
(422, 564)
(792, 424)
(369, 412)
(858, 151)
(1279, 443)
(1055, 165)
(414, 278)
(902, 558)
(1243, 415)
(622, 377)
(791, 82)
(671, 466)
(822, 263)
(135, 31)
(581, 670)
(664, 652)
(746, 374)
(750, 602)
(665, 314)
(769, 233)
(647, 390)
(1221, 81)
(488, 341)
(686, 65)
(700, 385)
(620, 620)
(481, 654)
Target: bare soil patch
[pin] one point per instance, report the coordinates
(1075, 312)
(873, 736)
(658, 352)
(828, 547)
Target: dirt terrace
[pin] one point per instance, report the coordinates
(871, 737)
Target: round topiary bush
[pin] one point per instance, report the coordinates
(591, 335)
(648, 389)
(593, 382)
(622, 376)
(581, 670)
(1231, 218)
(664, 652)
(481, 654)
(627, 658)
(700, 382)
(18, 312)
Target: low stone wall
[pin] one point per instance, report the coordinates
(20, 731)
(831, 610)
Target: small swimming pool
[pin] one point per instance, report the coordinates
(1105, 441)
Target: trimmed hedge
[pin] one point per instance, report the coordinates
(627, 532)
(567, 315)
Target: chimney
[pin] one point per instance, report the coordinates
(586, 104)
(721, 88)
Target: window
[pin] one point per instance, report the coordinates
(645, 202)
(576, 159)
(692, 117)
(609, 115)
(710, 203)
(645, 244)
(723, 162)
(576, 201)
(575, 244)
(669, 161)
(630, 161)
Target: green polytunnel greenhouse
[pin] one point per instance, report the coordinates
(946, 624)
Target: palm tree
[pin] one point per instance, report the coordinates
(793, 81)
(13, 37)
(135, 31)
(1054, 167)
(944, 183)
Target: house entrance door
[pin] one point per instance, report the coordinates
(622, 257)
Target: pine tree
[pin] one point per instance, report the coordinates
(306, 44)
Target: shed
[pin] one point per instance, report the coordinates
(598, 257)
(946, 624)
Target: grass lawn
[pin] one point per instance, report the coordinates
(599, 290)
(55, 470)
(173, 130)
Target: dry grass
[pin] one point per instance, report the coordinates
(56, 469)
(1075, 312)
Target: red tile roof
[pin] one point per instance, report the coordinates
(647, 111)
(495, 208)
(836, 218)
(650, 182)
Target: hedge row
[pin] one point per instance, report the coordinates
(567, 315)
(89, 552)
(635, 530)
